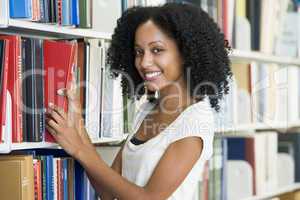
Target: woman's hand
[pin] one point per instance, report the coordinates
(68, 128)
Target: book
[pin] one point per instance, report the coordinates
(59, 64)
(4, 13)
(20, 9)
(4, 55)
(17, 177)
(14, 85)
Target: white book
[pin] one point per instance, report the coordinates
(267, 25)
(287, 41)
(230, 18)
(55, 179)
(94, 90)
(118, 110)
(242, 34)
(239, 175)
(272, 169)
(254, 96)
(298, 31)
(281, 80)
(107, 105)
(5, 145)
(293, 93)
(87, 75)
(286, 169)
(4, 13)
(260, 143)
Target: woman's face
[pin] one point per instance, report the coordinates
(157, 57)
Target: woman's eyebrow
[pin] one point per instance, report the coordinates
(153, 42)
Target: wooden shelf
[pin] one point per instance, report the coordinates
(50, 30)
(280, 191)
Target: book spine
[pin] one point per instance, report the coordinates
(18, 80)
(4, 82)
(42, 12)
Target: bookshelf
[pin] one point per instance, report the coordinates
(279, 192)
(39, 145)
(47, 31)
(246, 56)
(27, 28)
(50, 30)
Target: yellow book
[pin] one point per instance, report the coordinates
(22, 165)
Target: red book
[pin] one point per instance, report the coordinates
(14, 84)
(225, 20)
(59, 11)
(59, 180)
(59, 66)
(3, 91)
(37, 180)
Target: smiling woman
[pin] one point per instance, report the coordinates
(157, 58)
(179, 52)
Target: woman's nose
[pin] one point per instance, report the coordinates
(147, 60)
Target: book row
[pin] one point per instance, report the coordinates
(41, 175)
(62, 12)
(33, 70)
(255, 165)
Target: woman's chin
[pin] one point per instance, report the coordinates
(152, 87)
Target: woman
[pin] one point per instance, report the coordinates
(177, 51)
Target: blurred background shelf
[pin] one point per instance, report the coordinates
(281, 191)
(249, 56)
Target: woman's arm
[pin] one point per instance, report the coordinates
(117, 167)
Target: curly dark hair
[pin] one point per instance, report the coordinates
(199, 39)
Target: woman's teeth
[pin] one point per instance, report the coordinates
(152, 74)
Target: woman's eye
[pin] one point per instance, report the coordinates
(138, 52)
(156, 50)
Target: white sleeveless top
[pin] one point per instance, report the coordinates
(139, 161)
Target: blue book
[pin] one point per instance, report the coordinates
(74, 12)
(79, 177)
(49, 178)
(42, 11)
(224, 169)
(236, 148)
(20, 9)
(66, 13)
(46, 11)
(65, 177)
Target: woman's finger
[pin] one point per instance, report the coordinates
(52, 114)
(51, 130)
(58, 110)
(54, 125)
(73, 99)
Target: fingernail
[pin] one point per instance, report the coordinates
(60, 91)
(51, 104)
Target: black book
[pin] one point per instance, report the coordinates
(39, 89)
(24, 93)
(2, 50)
(29, 93)
(253, 13)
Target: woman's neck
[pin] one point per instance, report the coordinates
(174, 98)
